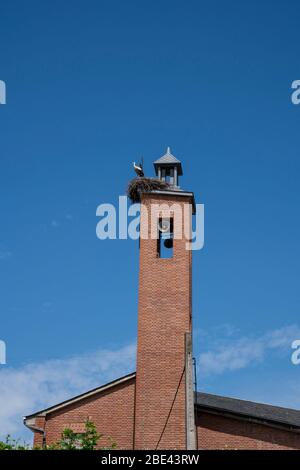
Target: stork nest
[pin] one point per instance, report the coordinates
(144, 185)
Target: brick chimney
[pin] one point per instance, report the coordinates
(164, 314)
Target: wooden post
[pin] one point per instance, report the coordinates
(189, 395)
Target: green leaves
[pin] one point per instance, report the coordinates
(87, 440)
(70, 440)
(13, 444)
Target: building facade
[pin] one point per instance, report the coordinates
(156, 406)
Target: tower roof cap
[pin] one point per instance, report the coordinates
(168, 160)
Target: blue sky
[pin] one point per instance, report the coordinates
(90, 87)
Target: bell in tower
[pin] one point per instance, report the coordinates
(168, 169)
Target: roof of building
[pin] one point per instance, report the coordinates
(269, 414)
(82, 396)
(216, 404)
(168, 159)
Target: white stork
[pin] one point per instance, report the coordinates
(138, 168)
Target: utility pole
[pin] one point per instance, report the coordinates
(189, 395)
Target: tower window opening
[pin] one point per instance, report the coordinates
(165, 238)
(167, 175)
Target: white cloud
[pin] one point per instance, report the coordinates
(35, 386)
(233, 354)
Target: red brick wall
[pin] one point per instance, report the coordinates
(38, 436)
(218, 432)
(163, 317)
(111, 410)
(113, 413)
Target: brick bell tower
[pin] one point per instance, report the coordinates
(164, 406)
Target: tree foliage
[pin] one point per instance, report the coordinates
(70, 440)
